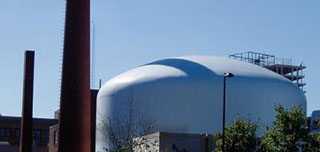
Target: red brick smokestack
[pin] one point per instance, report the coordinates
(75, 107)
(27, 103)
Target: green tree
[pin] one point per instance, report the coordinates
(289, 133)
(312, 144)
(239, 137)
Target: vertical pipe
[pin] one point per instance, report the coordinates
(207, 143)
(27, 103)
(225, 76)
(75, 106)
(298, 76)
(224, 114)
(94, 94)
(100, 83)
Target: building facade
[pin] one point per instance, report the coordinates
(53, 139)
(10, 133)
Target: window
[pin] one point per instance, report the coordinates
(8, 132)
(17, 132)
(47, 135)
(55, 140)
(5, 132)
(2, 134)
(36, 133)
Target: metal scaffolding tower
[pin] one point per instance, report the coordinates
(281, 66)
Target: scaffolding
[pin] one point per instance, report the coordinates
(281, 66)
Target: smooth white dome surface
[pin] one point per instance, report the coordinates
(184, 95)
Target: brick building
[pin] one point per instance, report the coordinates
(53, 139)
(10, 133)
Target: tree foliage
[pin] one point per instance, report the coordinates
(124, 127)
(289, 133)
(240, 136)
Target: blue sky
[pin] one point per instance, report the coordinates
(130, 33)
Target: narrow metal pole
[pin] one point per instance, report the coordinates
(27, 103)
(224, 114)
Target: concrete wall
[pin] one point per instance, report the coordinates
(174, 142)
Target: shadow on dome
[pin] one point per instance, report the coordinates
(191, 68)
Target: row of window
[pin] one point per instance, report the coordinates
(36, 133)
(5, 132)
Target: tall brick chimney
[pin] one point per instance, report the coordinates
(75, 108)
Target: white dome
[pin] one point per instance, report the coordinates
(184, 94)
